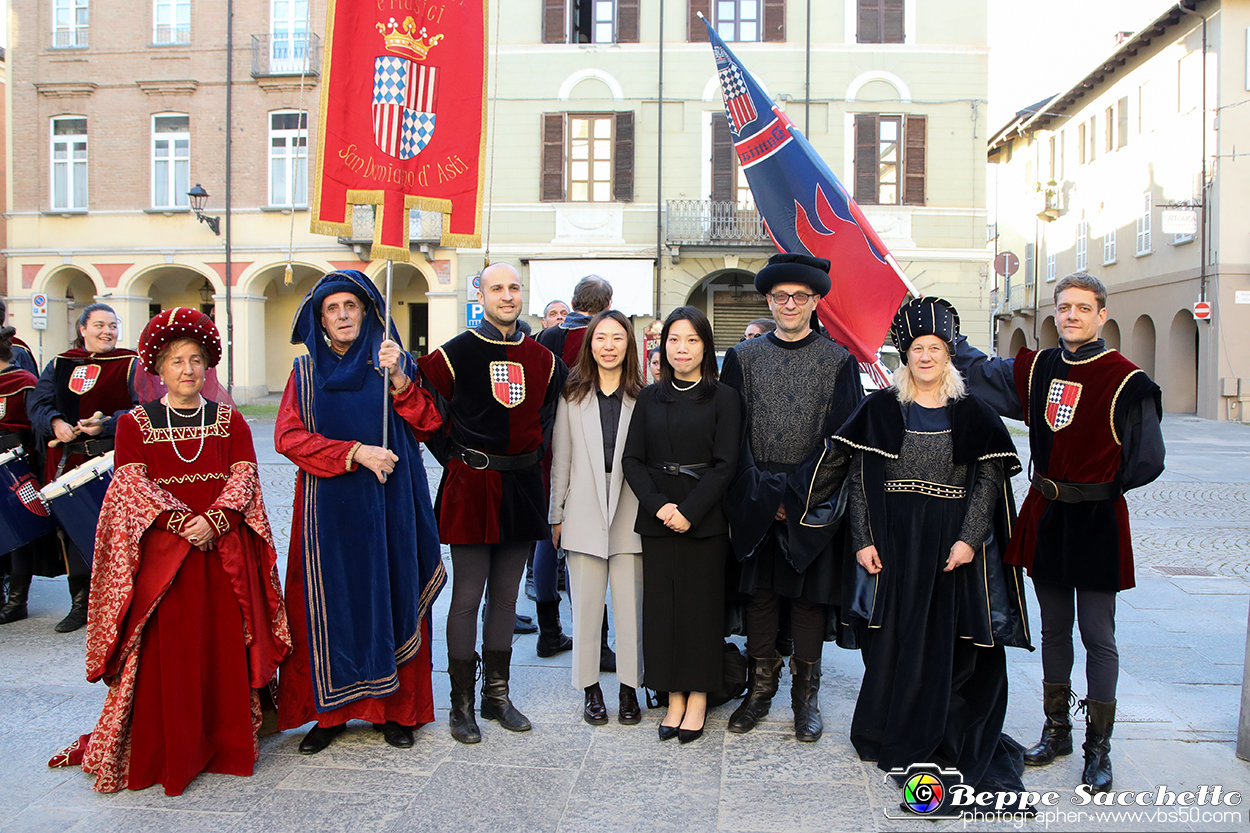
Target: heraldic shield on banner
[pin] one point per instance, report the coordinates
(405, 93)
(1061, 401)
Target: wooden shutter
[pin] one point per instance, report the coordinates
(869, 22)
(914, 160)
(553, 157)
(555, 25)
(866, 159)
(627, 21)
(892, 21)
(623, 158)
(775, 21)
(722, 159)
(696, 32)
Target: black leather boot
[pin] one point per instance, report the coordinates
(463, 673)
(19, 591)
(607, 657)
(496, 705)
(1057, 731)
(551, 638)
(805, 700)
(764, 674)
(1099, 721)
(79, 590)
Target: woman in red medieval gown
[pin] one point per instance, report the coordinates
(187, 622)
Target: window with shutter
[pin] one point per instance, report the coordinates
(555, 21)
(866, 158)
(914, 160)
(722, 159)
(623, 158)
(552, 173)
(739, 20)
(595, 21)
(774, 21)
(880, 21)
(627, 21)
(696, 32)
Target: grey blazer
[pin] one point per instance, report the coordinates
(597, 511)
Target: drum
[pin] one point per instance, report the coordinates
(23, 516)
(76, 498)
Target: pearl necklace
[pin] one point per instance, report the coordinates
(691, 386)
(169, 417)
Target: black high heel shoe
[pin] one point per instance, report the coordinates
(668, 732)
(685, 736)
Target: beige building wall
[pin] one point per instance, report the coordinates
(1152, 159)
(121, 251)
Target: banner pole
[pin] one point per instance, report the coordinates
(386, 326)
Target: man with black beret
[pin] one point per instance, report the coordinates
(798, 387)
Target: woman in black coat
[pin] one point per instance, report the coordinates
(679, 457)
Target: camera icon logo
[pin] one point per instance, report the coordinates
(925, 791)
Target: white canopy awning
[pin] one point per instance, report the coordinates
(632, 282)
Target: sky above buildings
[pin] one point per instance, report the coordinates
(1039, 48)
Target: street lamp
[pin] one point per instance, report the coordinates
(199, 198)
(206, 292)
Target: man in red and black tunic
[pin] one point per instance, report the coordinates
(1094, 433)
(77, 401)
(498, 390)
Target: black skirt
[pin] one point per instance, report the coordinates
(683, 611)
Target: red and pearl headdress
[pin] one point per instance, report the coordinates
(173, 324)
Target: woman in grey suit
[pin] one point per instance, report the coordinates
(593, 509)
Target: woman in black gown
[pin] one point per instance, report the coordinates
(679, 457)
(930, 508)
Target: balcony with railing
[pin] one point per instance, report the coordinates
(714, 223)
(1020, 297)
(290, 53)
(423, 226)
(70, 38)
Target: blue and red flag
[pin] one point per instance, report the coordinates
(807, 211)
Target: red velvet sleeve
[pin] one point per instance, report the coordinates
(436, 368)
(313, 453)
(416, 405)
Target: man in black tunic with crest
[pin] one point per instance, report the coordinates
(799, 387)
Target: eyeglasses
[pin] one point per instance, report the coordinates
(782, 298)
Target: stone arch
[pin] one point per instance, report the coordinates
(1048, 336)
(865, 78)
(714, 295)
(69, 288)
(1018, 341)
(1180, 394)
(409, 300)
(1111, 334)
(171, 284)
(1142, 352)
(267, 286)
(614, 86)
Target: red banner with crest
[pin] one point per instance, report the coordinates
(403, 119)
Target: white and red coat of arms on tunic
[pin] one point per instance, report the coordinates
(27, 491)
(84, 378)
(507, 383)
(405, 92)
(1061, 400)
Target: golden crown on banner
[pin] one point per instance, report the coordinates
(404, 41)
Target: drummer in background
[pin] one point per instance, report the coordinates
(95, 377)
(23, 356)
(187, 620)
(16, 385)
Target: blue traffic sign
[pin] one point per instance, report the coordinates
(472, 314)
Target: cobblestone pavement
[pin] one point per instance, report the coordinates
(1181, 633)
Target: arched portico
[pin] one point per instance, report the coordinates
(1180, 391)
(1111, 334)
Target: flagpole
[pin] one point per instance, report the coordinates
(386, 333)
